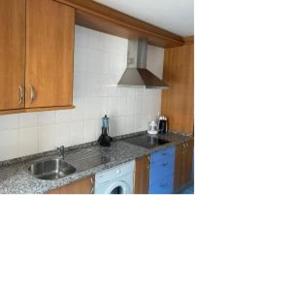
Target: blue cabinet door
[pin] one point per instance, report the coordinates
(162, 165)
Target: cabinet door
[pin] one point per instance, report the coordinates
(49, 54)
(162, 170)
(183, 165)
(142, 175)
(178, 100)
(179, 167)
(12, 54)
(188, 162)
(84, 186)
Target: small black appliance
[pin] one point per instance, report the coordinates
(104, 139)
(163, 125)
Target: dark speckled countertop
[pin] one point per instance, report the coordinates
(87, 159)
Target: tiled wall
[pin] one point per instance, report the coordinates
(100, 60)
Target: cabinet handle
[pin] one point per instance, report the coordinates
(33, 94)
(93, 186)
(21, 94)
(165, 164)
(149, 162)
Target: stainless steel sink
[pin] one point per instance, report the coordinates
(51, 169)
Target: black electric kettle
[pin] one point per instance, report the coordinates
(163, 125)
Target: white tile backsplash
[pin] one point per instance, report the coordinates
(63, 134)
(47, 137)
(100, 60)
(63, 116)
(77, 133)
(90, 130)
(9, 144)
(9, 122)
(46, 118)
(28, 120)
(28, 141)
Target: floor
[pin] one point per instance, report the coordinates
(188, 190)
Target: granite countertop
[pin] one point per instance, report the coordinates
(88, 159)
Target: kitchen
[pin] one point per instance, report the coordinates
(77, 113)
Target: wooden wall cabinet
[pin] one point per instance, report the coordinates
(12, 54)
(142, 175)
(178, 100)
(183, 165)
(83, 186)
(36, 55)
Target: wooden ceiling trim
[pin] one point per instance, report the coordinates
(103, 18)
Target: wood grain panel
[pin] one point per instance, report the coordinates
(103, 18)
(142, 175)
(178, 100)
(178, 180)
(49, 53)
(189, 39)
(12, 52)
(183, 165)
(188, 163)
(84, 186)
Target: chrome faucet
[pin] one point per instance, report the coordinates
(61, 151)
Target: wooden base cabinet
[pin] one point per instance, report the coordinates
(184, 165)
(142, 175)
(36, 55)
(83, 186)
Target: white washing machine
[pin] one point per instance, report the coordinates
(119, 180)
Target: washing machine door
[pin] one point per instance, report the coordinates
(119, 187)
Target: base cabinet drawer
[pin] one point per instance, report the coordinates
(167, 154)
(161, 170)
(164, 186)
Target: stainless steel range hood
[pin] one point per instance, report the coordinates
(136, 73)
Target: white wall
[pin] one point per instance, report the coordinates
(100, 60)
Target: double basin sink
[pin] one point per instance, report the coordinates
(51, 169)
